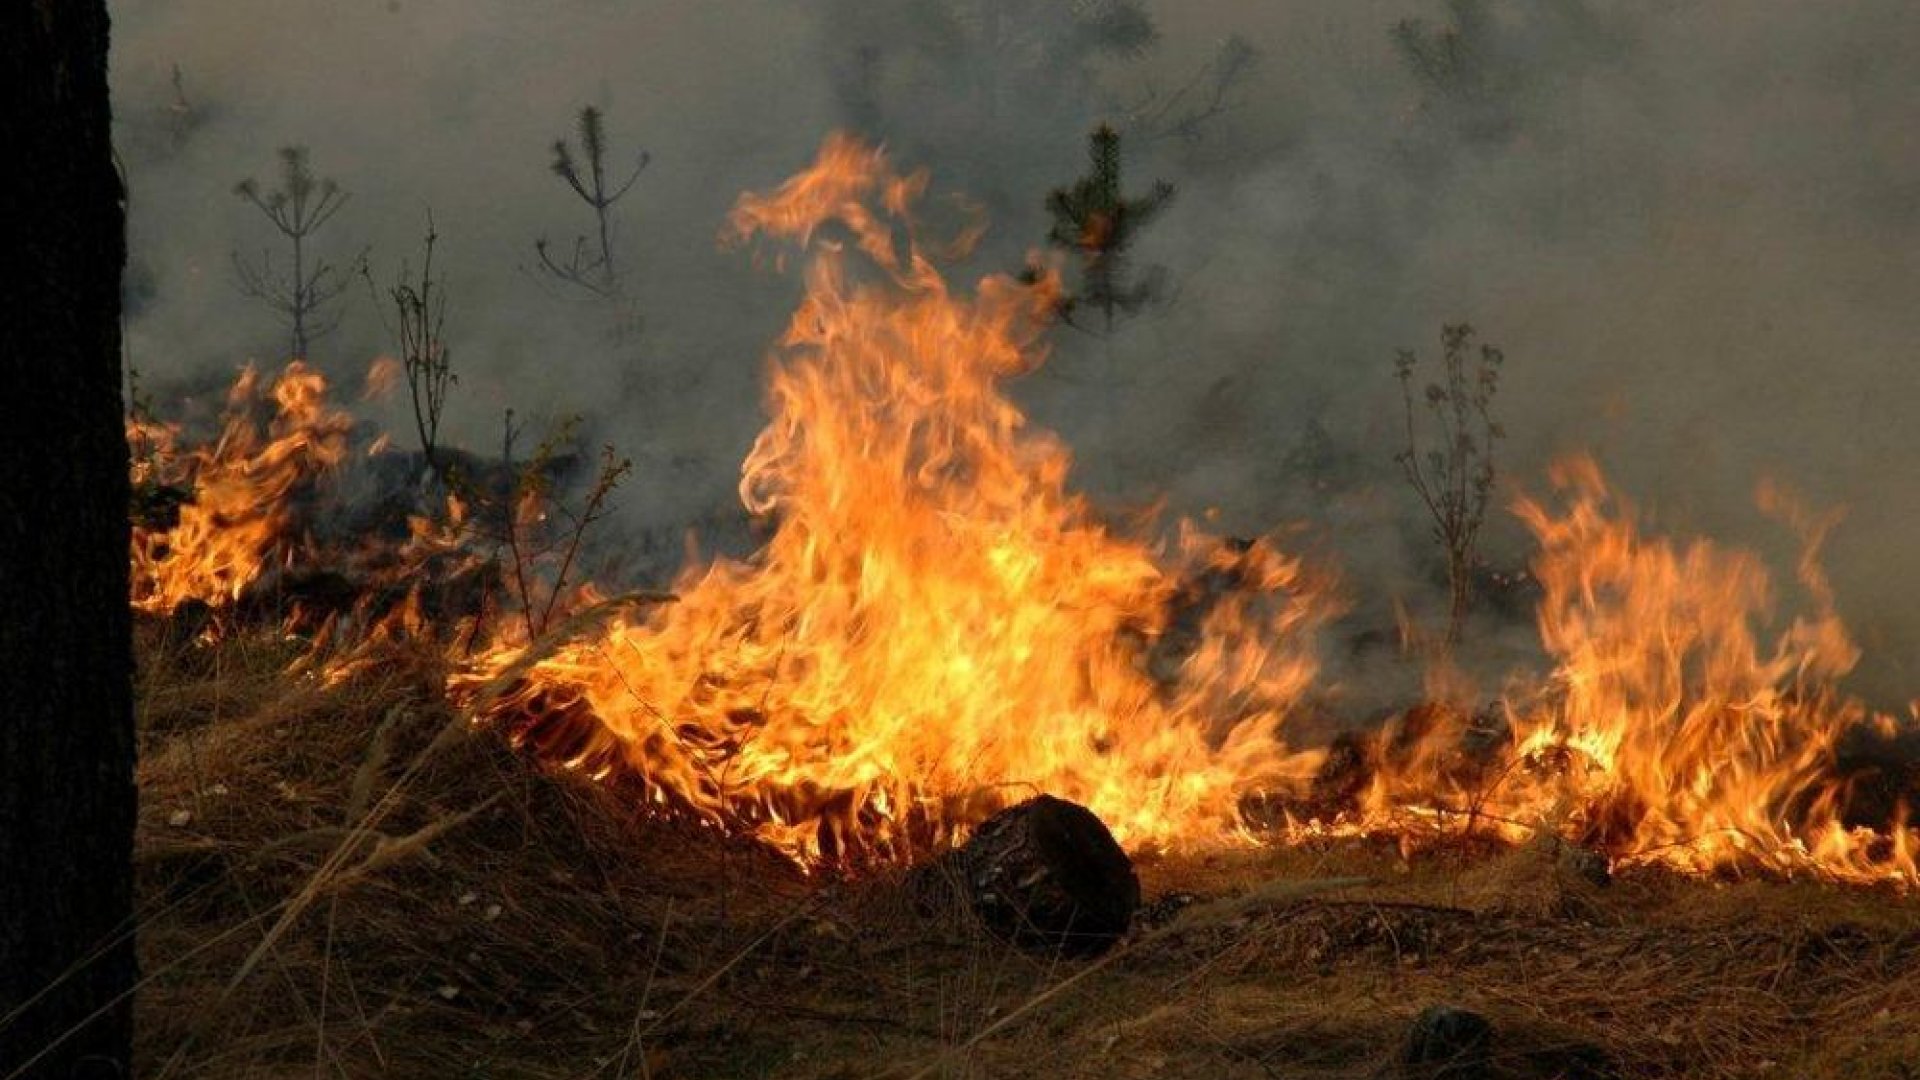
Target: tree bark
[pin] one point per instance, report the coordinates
(66, 739)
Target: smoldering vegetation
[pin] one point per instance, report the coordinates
(1691, 228)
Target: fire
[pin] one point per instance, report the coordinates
(938, 625)
(240, 519)
(1672, 728)
(1703, 742)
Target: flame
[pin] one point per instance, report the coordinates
(1672, 729)
(1706, 743)
(938, 625)
(240, 516)
(383, 375)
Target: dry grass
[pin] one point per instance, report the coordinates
(348, 881)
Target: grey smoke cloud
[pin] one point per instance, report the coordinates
(1692, 227)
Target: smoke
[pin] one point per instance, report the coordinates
(452, 107)
(1691, 229)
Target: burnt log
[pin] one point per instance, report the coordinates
(1046, 874)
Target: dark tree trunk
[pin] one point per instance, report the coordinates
(66, 735)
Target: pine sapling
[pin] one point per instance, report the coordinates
(590, 266)
(1097, 224)
(304, 294)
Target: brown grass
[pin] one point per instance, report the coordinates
(348, 881)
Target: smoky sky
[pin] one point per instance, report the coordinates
(1692, 227)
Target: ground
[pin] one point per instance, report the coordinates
(347, 880)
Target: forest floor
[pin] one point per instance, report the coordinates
(349, 881)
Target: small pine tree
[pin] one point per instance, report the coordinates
(1097, 224)
(589, 267)
(305, 294)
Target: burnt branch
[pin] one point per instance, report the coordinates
(419, 305)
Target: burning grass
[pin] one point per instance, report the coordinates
(348, 880)
(388, 832)
(938, 625)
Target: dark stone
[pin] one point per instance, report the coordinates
(1448, 1043)
(1046, 874)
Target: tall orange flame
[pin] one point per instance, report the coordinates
(937, 626)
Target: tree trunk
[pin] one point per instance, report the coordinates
(66, 738)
